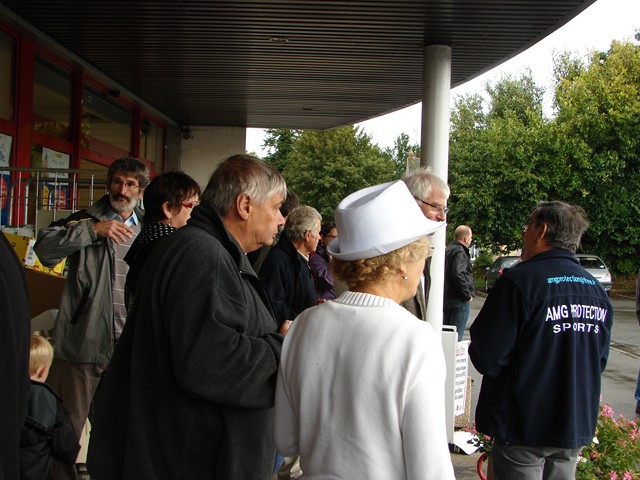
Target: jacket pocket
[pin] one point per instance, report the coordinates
(78, 313)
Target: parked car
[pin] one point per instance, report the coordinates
(495, 270)
(596, 267)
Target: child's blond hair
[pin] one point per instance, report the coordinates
(40, 353)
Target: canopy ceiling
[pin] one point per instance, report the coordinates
(285, 64)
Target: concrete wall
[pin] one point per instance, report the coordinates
(205, 147)
(173, 152)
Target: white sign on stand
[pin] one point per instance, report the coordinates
(457, 361)
(460, 378)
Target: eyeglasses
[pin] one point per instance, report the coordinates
(437, 208)
(191, 204)
(128, 185)
(331, 236)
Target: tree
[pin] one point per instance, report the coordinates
(598, 119)
(399, 154)
(326, 166)
(519, 97)
(505, 155)
(495, 161)
(279, 144)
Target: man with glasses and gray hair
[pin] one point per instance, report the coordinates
(92, 310)
(431, 194)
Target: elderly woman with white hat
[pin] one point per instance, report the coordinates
(360, 390)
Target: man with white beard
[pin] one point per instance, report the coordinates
(92, 310)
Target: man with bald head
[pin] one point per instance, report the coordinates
(458, 280)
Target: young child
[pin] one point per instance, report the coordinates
(47, 433)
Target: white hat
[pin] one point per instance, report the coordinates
(377, 220)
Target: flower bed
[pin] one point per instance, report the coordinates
(614, 453)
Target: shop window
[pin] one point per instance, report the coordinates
(49, 190)
(59, 188)
(91, 184)
(7, 56)
(106, 124)
(152, 143)
(52, 91)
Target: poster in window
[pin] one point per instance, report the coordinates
(5, 177)
(55, 193)
(5, 149)
(5, 190)
(57, 160)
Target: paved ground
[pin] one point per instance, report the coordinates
(465, 466)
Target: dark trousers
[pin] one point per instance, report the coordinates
(75, 383)
(458, 317)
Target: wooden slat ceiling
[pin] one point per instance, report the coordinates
(286, 64)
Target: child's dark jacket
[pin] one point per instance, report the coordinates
(47, 434)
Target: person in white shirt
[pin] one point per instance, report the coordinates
(360, 389)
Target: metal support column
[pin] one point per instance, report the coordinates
(434, 153)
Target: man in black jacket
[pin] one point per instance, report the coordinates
(458, 280)
(14, 358)
(286, 271)
(190, 390)
(541, 342)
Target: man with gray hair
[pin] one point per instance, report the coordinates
(541, 342)
(431, 194)
(190, 390)
(286, 271)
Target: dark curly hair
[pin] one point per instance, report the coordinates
(172, 188)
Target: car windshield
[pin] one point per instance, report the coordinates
(510, 262)
(591, 262)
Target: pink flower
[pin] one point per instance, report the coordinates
(616, 443)
(607, 411)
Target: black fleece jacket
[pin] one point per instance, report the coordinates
(541, 342)
(289, 279)
(458, 275)
(189, 393)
